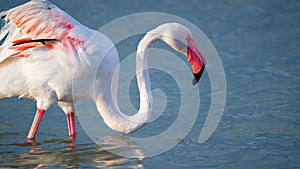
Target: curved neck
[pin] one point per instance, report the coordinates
(142, 73)
(107, 103)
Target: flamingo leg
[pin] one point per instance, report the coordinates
(71, 125)
(35, 124)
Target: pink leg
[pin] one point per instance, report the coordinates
(71, 125)
(35, 124)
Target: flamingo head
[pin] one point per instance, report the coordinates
(180, 38)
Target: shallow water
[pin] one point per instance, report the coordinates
(258, 43)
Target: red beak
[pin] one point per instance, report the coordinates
(196, 58)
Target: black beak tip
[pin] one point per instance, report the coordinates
(198, 75)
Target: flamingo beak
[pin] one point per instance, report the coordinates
(196, 58)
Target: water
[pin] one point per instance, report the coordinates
(258, 43)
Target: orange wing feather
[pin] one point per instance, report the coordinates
(40, 20)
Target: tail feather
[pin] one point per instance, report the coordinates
(4, 28)
(7, 32)
(3, 14)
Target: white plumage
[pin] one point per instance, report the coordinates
(44, 50)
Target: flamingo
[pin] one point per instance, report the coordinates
(41, 46)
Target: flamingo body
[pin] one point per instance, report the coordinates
(44, 50)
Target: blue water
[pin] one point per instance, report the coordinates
(259, 46)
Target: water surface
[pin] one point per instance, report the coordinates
(258, 43)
